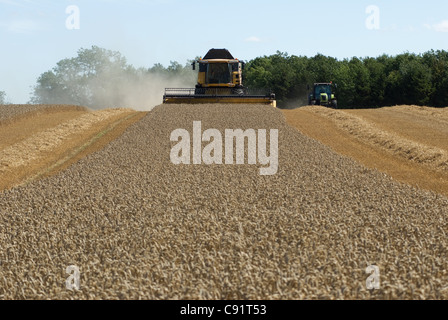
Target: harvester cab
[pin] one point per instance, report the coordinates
(218, 69)
(220, 80)
(323, 94)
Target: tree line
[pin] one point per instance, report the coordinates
(361, 82)
(97, 78)
(100, 78)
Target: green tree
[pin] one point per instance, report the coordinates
(175, 71)
(377, 75)
(99, 78)
(298, 92)
(258, 73)
(438, 63)
(322, 68)
(88, 79)
(360, 75)
(345, 82)
(157, 68)
(409, 80)
(416, 82)
(394, 90)
(287, 76)
(283, 77)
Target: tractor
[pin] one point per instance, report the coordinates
(323, 95)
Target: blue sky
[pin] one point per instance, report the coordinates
(34, 36)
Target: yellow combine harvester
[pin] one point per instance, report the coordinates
(220, 80)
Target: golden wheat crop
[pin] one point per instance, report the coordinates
(140, 227)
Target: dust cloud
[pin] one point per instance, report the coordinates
(141, 93)
(294, 103)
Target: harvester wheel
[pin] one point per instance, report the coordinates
(313, 102)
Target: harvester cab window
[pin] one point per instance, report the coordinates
(219, 73)
(203, 67)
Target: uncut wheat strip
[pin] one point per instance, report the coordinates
(23, 153)
(391, 142)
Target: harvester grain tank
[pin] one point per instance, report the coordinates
(220, 80)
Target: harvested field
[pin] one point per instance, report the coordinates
(139, 227)
(9, 113)
(409, 143)
(41, 140)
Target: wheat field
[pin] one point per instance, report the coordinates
(140, 227)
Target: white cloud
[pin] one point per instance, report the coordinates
(253, 39)
(20, 26)
(10, 2)
(441, 27)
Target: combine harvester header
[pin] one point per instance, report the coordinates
(220, 80)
